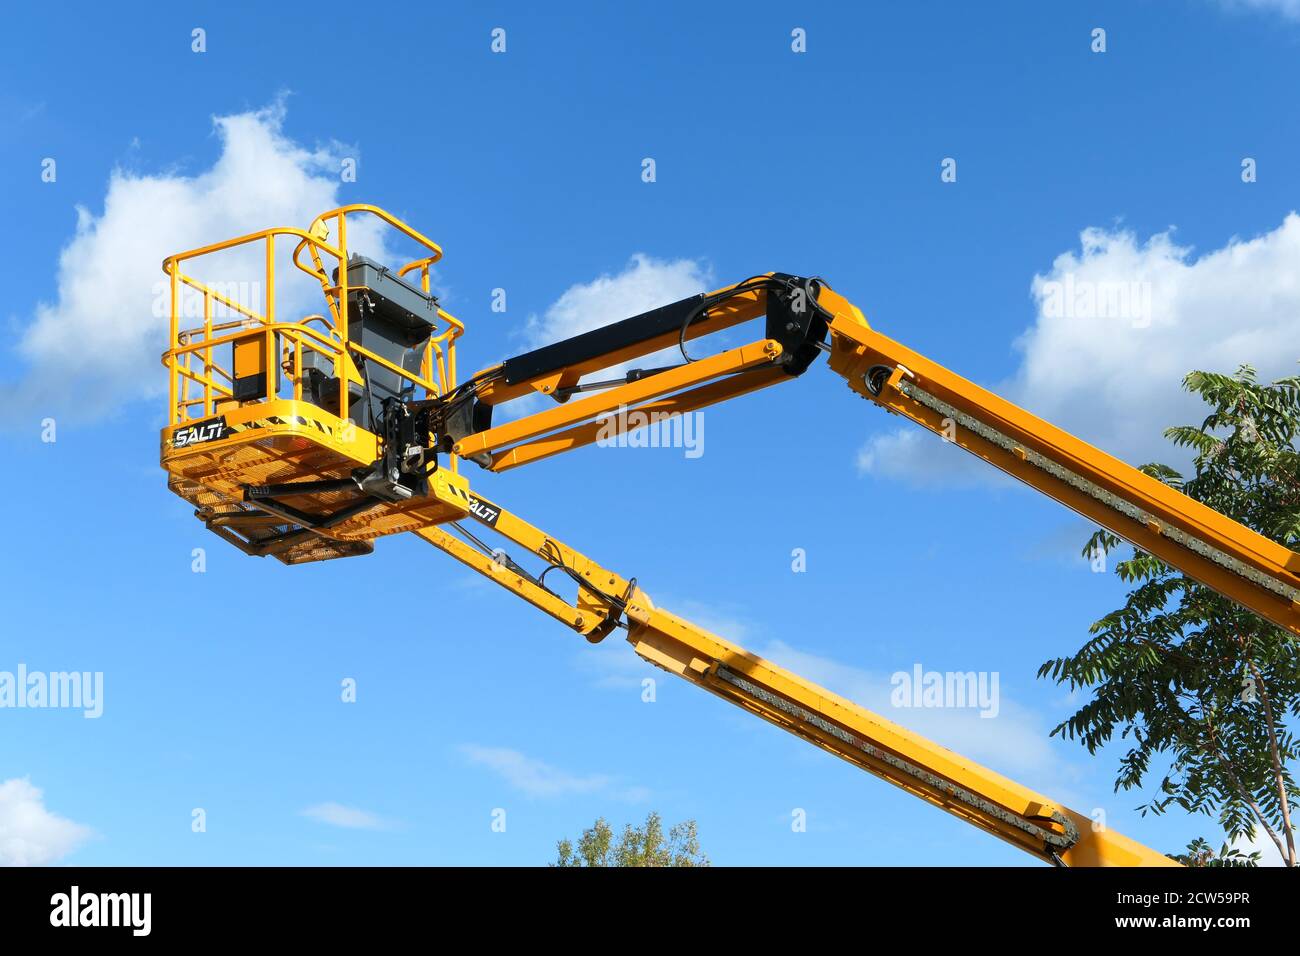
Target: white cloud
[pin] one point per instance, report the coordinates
(1119, 323)
(1014, 742)
(1287, 8)
(645, 283)
(96, 346)
(536, 778)
(1264, 845)
(913, 454)
(336, 814)
(30, 835)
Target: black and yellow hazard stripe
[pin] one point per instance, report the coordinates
(273, 420)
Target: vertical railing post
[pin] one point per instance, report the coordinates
(172, 416)
(209, 403)
(345, 360)
(271, 363)
(184, 403)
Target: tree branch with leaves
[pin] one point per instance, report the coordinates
(647, 845)
(1200, 687)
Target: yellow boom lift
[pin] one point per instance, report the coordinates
(308, 437)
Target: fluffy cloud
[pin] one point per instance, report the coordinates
(1014, 741)
(912, 454)
(539, 779)
(106, 327)
(645, 283)
(1119, 322)
(335, 814)
(30, 835)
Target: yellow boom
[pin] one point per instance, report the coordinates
(307, 439)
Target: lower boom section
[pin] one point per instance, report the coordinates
(977, 795)
(605, 600)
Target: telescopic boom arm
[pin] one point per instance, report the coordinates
(801, 314)
(606, 600)
(308, 439)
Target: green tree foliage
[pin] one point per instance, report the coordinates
(1205, 692)
(1200, 853)
(646, 845)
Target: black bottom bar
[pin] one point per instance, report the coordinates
(941, 909)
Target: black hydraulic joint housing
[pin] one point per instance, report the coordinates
(796, 320)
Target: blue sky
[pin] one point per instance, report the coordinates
(221, 689)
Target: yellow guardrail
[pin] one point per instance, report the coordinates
(192, 358)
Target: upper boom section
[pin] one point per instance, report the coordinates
(1234, 560)
(1222, 554)
(794, 330)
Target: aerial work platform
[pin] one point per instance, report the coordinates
(308, 435)
(277, 426)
